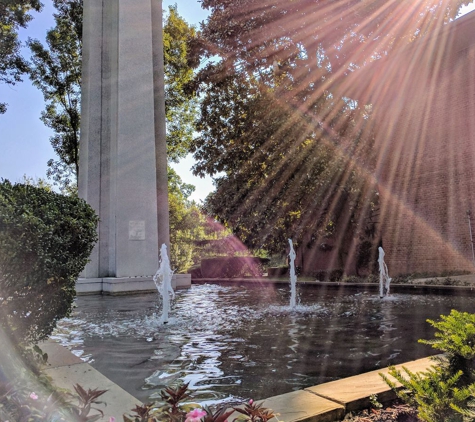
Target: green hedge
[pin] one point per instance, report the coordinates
(45, 242)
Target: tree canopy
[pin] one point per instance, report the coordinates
(55, 69)
(321, 37)
(290, 153)
(181, 106)
(13, 16)
(279, 174)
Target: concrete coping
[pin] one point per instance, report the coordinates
(66, 370)
(321, 403)
(126, 285)
(395, 288)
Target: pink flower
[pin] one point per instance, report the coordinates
(251, 401)
(195, 415)
(112, 419)
(33, 396)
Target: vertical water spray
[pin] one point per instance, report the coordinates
(293, 276)
(384, 279)
(163, 281)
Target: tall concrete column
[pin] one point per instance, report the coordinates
(123, 165)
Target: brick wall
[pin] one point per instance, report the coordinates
(424, 108)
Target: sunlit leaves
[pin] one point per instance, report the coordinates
(180, 105)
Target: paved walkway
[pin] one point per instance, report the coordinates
(66, 370)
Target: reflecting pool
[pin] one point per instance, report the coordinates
(240, 342)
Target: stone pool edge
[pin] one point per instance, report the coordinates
(417, 286)
(321, 403)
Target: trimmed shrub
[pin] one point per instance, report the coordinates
(45, 242)
(230, 267)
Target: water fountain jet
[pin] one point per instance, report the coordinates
(293, 276)
(163, 281)
(384, 279)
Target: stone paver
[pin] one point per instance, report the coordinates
(303, 406)
(353, 392)
(58, 355)
(66, 370)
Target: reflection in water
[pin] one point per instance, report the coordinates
(243, 342)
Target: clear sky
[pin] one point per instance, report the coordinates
(24, 140)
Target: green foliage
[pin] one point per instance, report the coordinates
(175, 409)
(455, 335)
(56, 71)
(193, 235)
(13, 16)
(432, 392)
(45, 242)
(373, 399)
(255, 412)
(181, 106)
(38, 182)
(186, 224)
(307, 37)
(290, 152)
(19, 403)
(86, 401)
(281, 173)
(445, 392)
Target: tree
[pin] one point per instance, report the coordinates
(181, 107)
(284, 176)
(13, 16)
(56, 70)
(326, 38)
(187, 224)
(291, 153)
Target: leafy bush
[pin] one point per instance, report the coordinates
(445, 392)
(456, 337)
(45, 242)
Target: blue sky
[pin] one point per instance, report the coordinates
(25, 140)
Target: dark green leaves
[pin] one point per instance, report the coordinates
(45, 242)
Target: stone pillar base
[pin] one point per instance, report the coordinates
(126, 285)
